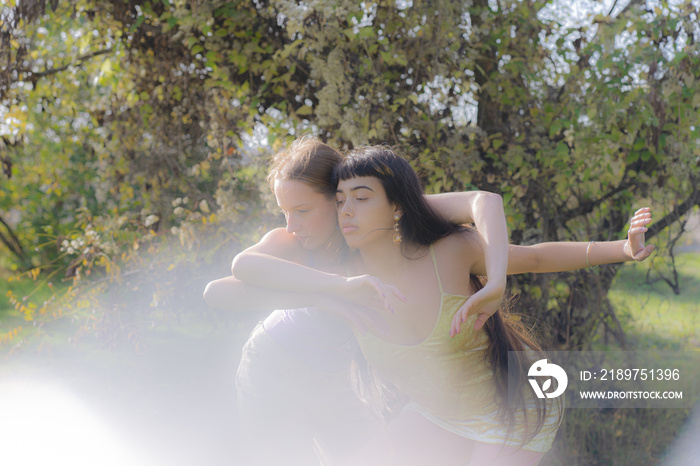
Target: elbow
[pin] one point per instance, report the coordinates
(223, 293)
(492, 199)
(240, 265)
(210, 293)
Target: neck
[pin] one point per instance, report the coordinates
(383, 259)
(332, 252)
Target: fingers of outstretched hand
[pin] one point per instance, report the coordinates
(641, 217)
(638, 222)
(637, 230)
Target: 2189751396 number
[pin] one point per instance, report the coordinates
(640, 374)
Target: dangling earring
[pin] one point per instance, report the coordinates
(397, 236)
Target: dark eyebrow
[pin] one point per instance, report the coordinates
(356, 188)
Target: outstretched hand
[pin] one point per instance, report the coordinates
(484, 302)
(635, 247)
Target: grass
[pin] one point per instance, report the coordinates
(653, 318)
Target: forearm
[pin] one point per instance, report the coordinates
(231, 294)
(565, 256)
(271, 272)
(463, 207)
(490, 223)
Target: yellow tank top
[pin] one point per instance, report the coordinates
(448, 378)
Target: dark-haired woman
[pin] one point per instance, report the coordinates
(454, 375)
(295, 396)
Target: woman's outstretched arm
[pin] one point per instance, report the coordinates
(231, 294)
(565, 256)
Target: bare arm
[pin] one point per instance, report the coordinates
(272, 272)
(234, 295)
(485, 210)
(565, 256)
(274, 263)
(466, 206)
(231, 294)
(266, 265)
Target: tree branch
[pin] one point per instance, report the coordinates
(678, 212)
(12, 242)
(63, 68)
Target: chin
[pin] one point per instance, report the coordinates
(352, 244)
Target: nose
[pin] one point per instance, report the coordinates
(344, 210)
(292, 225)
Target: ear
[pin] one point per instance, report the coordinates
(397, 211)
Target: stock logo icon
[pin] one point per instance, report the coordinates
(542, 368)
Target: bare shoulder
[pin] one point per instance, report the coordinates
(456, 256)
(277, 243)
(464, 242)
(463, 247)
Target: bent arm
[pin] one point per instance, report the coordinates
(485, 210)
(234, 295)
(467, 206)
(272, 272)
(274, 263)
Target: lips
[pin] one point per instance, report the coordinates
(348, 228)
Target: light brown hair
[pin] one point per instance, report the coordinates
(307, 160)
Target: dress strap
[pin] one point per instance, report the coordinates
(437, 274)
